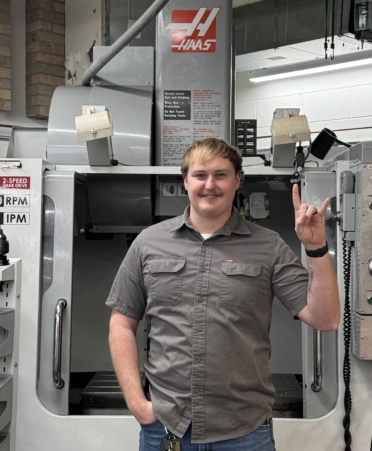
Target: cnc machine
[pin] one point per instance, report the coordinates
(111, 169)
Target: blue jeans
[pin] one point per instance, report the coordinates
(261, 439)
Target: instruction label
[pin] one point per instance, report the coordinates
(8, 200)
(14, 218)
(176, 140)
(177, 105)
(15, 182)
(207, 108)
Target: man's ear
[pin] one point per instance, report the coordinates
(238, 179)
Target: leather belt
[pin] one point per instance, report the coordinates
(268, 420)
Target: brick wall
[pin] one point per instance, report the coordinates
(45, 54)
(5, 104)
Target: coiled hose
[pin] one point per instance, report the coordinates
(346, 253)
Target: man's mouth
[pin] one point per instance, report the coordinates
(210, 196)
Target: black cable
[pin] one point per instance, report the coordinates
(346, 253)
(333, 30)
(326, 30)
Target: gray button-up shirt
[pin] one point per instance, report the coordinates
(209, 305)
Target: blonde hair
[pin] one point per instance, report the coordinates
(205, 149)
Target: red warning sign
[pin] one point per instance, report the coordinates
(194, 31)
(15, 182)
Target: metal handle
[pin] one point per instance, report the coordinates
(318, 370)
(57, 346)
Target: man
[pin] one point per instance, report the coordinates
(205, 282)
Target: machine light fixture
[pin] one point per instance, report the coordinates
(323, 143)
(95, 128)
(312, 67)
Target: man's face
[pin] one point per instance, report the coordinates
(211, 187)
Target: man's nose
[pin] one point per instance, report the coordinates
(209, 184)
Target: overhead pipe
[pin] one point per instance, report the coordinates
(124, 40)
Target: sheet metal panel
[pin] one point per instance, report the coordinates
(315, 187)
(59, 190)
(193, 76)
(362, 257)
(125, 88)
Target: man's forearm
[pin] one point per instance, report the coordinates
(323, 304)
(123, 346)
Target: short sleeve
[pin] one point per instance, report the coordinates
(289, 278)
(128, 294)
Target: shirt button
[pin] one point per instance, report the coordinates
(199, 328)
(199, 299)
(202, 269)
(197, 391)
(197, 359)
(205, 243)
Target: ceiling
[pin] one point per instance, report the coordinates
(296, 53)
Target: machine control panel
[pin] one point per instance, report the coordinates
(362, 263)
(365, 244)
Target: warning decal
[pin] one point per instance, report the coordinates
(15, 182)
(206, 120)
(194, 30)
(14, 218)
(177, 105)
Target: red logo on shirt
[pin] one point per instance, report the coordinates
(229, 260)
(194, 31)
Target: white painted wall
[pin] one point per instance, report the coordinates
(335, 100)
(85, 21)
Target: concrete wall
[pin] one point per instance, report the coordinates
(339, 100)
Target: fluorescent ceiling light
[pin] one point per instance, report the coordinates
(311, 67)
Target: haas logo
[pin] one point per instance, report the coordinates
(194, 31)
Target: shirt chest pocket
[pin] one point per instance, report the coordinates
(239, 285)
(165, 277)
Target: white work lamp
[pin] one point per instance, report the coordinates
(95, 128)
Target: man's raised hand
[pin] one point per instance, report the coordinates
(309, 224)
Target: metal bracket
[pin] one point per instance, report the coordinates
(10, 164)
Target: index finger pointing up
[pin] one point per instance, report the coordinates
(296, 197)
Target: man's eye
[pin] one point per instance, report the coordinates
(221, 175)
(199, 176)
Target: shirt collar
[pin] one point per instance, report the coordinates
(235, 224)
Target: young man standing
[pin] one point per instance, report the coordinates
(205, 282)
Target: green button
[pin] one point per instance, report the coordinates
(369, 300)
(370, 205)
